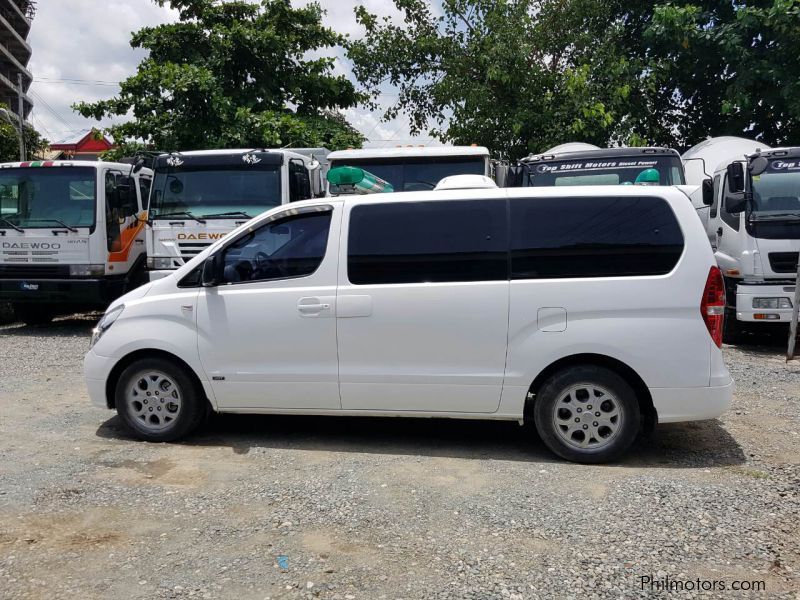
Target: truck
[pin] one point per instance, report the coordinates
(405, 168)
(200, 196)
(71, 235)
(754, 229)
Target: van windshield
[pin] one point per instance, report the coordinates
(631, 170)
(776, 191)
(224, 193)
(415, 174)
(47, 197)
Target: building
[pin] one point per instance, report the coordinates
(15, 52)
(84, 145)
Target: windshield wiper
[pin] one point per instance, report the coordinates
(178, 213)
(784, 216)
(235, 213)
(20, 229)
(59, 221)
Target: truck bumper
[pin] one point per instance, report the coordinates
(674, 405)
(744, 303)
(84, 292)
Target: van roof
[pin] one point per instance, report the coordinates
(602, 153)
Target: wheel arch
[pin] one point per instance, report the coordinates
(649, 414)
(128, 359)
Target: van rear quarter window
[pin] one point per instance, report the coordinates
(593, 237)
(417, 242)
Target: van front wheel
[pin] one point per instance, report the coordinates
(158, 401)
(587, 414)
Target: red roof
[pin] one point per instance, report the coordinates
(85, 143)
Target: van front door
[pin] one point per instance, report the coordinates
(267, 334)
(423, 306)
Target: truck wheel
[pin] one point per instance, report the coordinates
(34, 314)
(587, 414)
(158, 400)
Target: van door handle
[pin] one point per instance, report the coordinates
(315, 306)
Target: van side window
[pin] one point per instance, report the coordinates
(730, 219)
(290, 247)
(715, 205)
(593, 237)
(416, 242)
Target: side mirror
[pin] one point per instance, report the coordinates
(212, 270)
(735, 178)
(735, 203)
(708, 192)
(138, 165)
(758, 165)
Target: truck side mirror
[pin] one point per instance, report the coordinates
(735, 178)
(735, 202)
(708, 192)
(212, 270)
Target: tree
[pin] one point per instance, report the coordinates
(35, 144)
(522, 75)
(233, 74)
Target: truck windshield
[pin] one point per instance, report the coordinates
(415, 174)
(776, 191)
(47, 197)
(224, 193)
(632, 170)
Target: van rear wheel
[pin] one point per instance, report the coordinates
(587, 414)
(158, 401)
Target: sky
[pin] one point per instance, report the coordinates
(81, 50)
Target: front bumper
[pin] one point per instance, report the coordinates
(86, 292)
(675, 405)
(744, 303)
(96, 370)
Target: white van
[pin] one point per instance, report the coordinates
(593, 312)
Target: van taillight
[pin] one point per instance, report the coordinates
(712, 305)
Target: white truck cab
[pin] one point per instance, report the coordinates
(71, 234)
(754, 228)
(201, 196)
(592, 313)
(413, 168)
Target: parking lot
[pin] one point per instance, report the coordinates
(296, 507)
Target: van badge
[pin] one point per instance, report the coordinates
(251, 159)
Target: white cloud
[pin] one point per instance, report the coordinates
(87, 42)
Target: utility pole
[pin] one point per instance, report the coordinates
(21, 115)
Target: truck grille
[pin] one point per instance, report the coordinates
(191, 249)
(34, 271)
(783, 262)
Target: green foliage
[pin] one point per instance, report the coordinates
(35, 144)
(233, 74)
(522, 75)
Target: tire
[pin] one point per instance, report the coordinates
(567, 396)
(34, 314)
(158, 400)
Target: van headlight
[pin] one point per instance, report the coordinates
(87, 270)
(105, 323)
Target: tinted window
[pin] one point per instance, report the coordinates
(632, 170)
(593, 237)
(730, 219)
(290, 247)
(144, 190)
(414, 242)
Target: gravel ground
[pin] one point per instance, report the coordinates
(302, 507)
